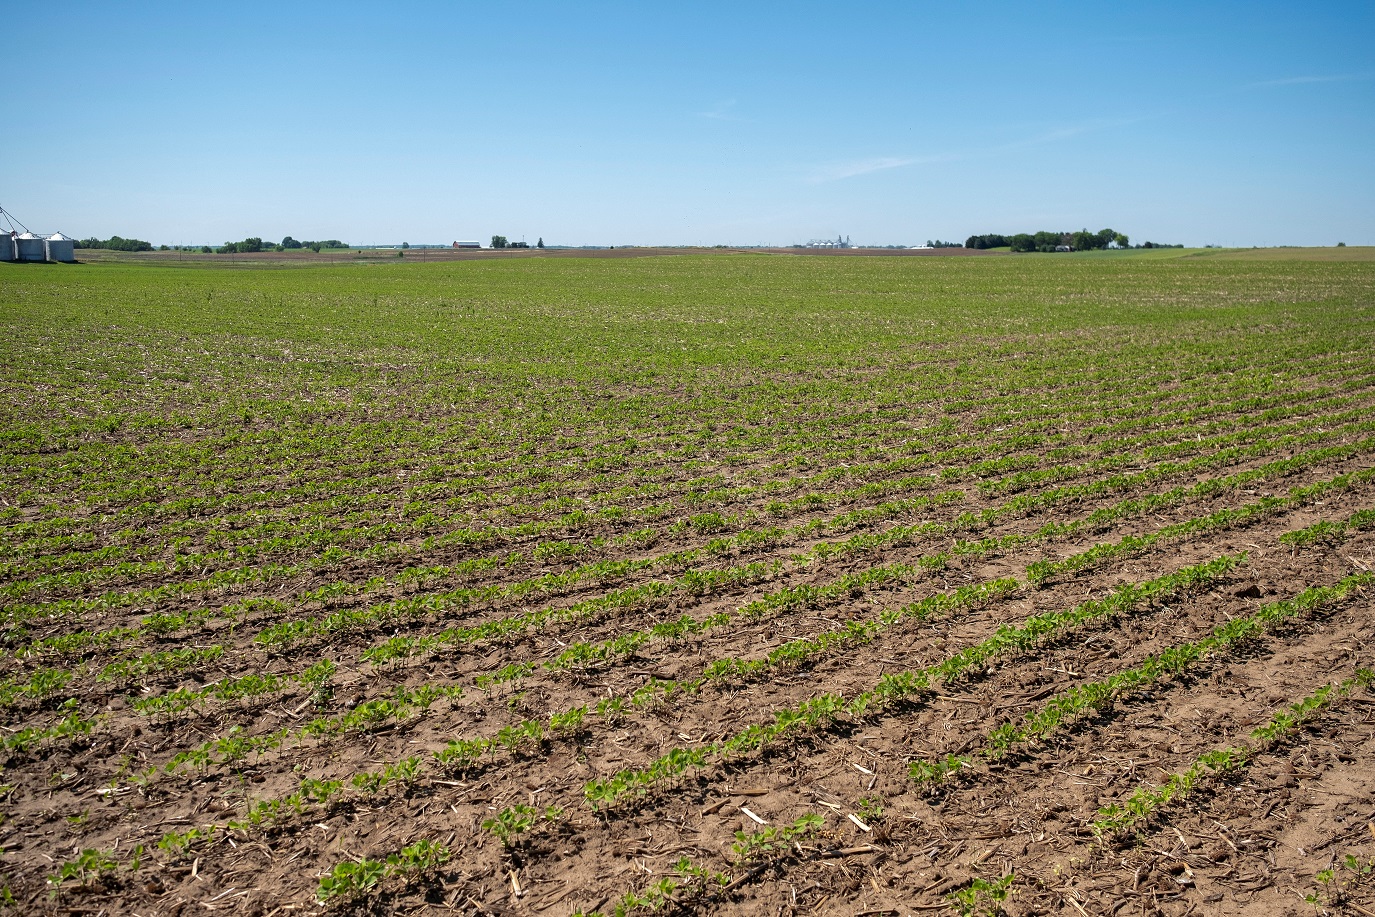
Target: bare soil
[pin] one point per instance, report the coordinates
(1250, 843)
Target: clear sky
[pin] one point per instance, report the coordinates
(734, 123)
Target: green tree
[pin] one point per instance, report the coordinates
(540, 243)
(498, 241)
(1103, 238)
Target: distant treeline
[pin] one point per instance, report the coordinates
(251, 244)
(115, 243)
(1081, 241)
(1043, 241)
(255, 244)
(503, 242)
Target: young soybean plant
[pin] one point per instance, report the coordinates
(1337, 880)
(89, 865)
(982, 896)
(753, 846)
(347, 880)
(514, 821)
(1145, 801)
(691, 884)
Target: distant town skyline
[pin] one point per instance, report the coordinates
(617, 124)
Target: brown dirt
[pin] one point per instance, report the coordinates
(1257, 840)
(426, 255)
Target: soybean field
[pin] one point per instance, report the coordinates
(689, 584)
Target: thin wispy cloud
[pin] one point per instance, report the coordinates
(725, 111)
(1301, 80)
(1308, 80)
(855, 167)
(852, 168)
(1065, 133)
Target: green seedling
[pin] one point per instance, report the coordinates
(871, 810)
(982, 897)
(753, 846)
(90, 865)
(510, 823)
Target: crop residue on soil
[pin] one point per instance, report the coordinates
(699, 584)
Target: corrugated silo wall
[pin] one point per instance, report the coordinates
(31, 248)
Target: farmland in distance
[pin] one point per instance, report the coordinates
(719, 584)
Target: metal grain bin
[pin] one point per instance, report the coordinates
(30, 247)
(60, 247)
(7, 245)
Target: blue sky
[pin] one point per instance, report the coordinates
(729, 123)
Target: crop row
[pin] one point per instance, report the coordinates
(582, 654)
(1102, 695)
(463, 752)
(252, 685)
(900, 687)
(294, 455)
(1040, 571)
(405, 645)
(334, 533)
(1145, 802)
(527, 735)
(727, 668)
(467, 568)
(1328, 532)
